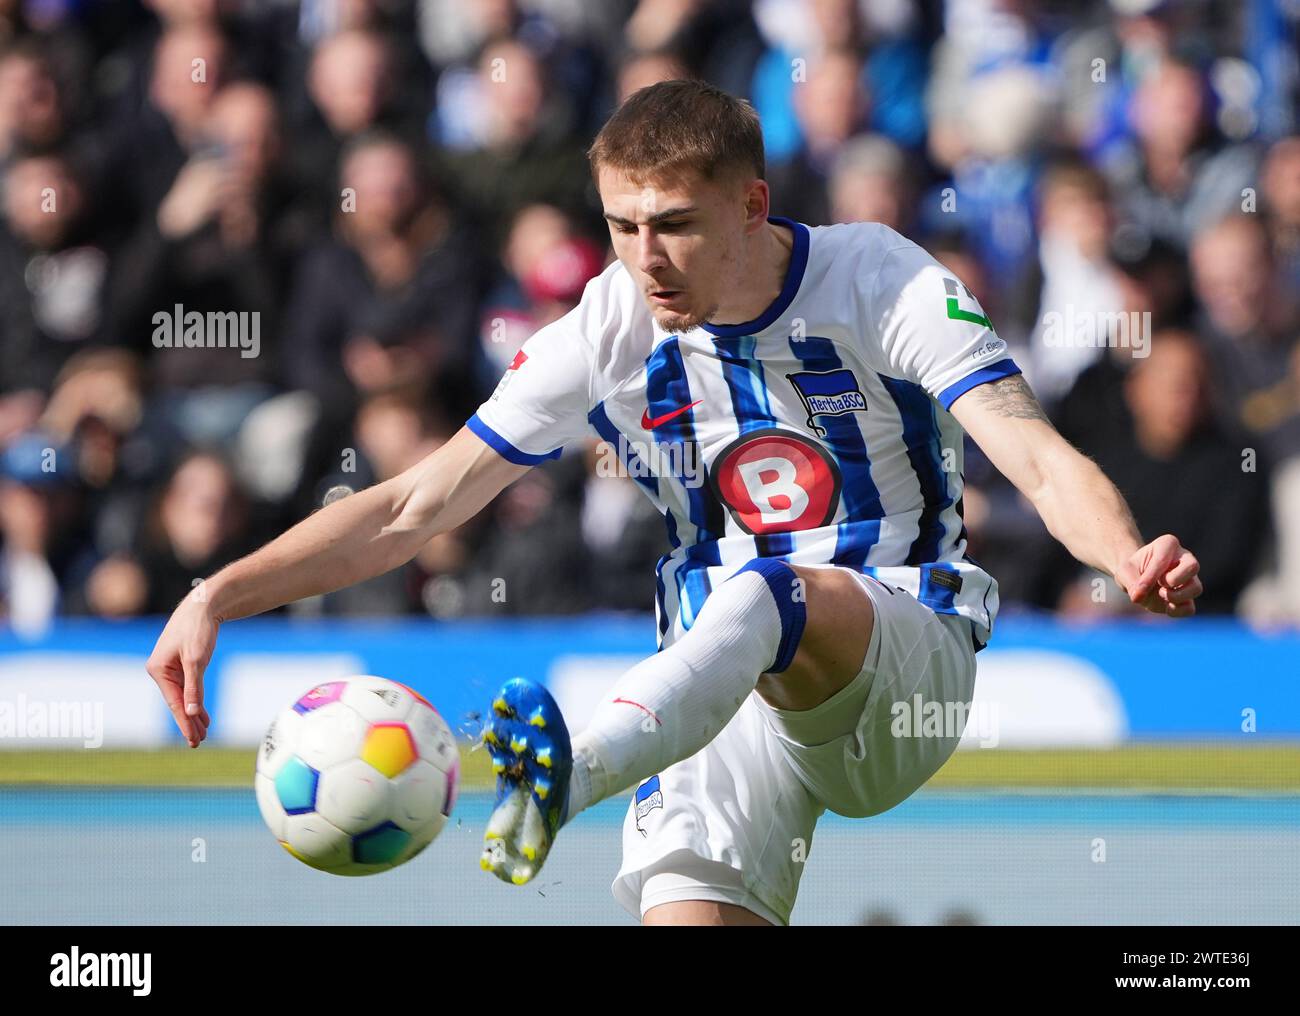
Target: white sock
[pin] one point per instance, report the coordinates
(671, 705)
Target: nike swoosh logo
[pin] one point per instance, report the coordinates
(629, 702)
(647, 423)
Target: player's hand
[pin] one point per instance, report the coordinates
(178, 661)
(1161, 577)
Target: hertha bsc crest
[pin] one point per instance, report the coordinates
(828, 393)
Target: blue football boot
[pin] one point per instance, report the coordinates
(532, 758)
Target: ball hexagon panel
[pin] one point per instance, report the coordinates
(321, 695)
(433, 738)
(353, 796)
(381, 845)
(414, 694)
(330, 735)
(295, 786)
(419, 795)
(316, 842)
(390, 748)
(379, 701)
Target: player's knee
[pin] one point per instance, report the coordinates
(836, 636)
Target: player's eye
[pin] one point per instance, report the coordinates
(671, 226)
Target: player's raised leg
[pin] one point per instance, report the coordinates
(664, 709)
(756, 627)
(832, 655)
(796, 634)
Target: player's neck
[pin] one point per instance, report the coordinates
(767, 263)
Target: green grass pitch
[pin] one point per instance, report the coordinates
(1262, 768)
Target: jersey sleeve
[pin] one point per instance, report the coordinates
(932, 331)
(542, 400)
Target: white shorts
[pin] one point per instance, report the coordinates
(734, 822)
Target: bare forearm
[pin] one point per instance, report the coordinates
(1079, 505)
(1085, 512)
(365, 534)
(343, 543)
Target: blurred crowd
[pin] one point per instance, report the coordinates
(391, 195)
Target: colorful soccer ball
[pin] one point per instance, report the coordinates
(357, 776)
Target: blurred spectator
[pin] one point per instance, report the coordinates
(32, 115)
(1280, 193)
(545, 265)
(457, 34)
(642, 70)
(53, 271)
(319, 19)
(1251, 326)
(222, 242)
(38, 513)
(869, 182)
(396, 259)
(116, 451)
(1181, 473)
(654, 24)
(1175, 178)
(189, 68)
(1116, 52)
(128, 38)
(717, 40)
(831, 107)
(986, 49)
(995, 150)
(352, 84)
(532, 559)
(800, 33)
(1153, 279)
(1079, 290)
(623, 531)
(345, 36)
(198, 524)
(522, 153)
(393, 432)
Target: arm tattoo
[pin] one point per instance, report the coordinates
(1010, 397)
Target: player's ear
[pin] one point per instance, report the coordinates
(758, 203)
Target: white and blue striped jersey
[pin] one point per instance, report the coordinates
(818, 433)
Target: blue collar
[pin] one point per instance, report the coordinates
(793, 278)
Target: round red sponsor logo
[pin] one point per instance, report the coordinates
(776, 481)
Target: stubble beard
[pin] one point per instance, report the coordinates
(671, 322)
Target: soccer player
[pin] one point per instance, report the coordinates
(793, 401)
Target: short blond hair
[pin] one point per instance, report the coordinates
(665, 128)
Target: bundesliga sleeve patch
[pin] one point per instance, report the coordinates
(828, 393)
(956, 311)
(515, 364)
